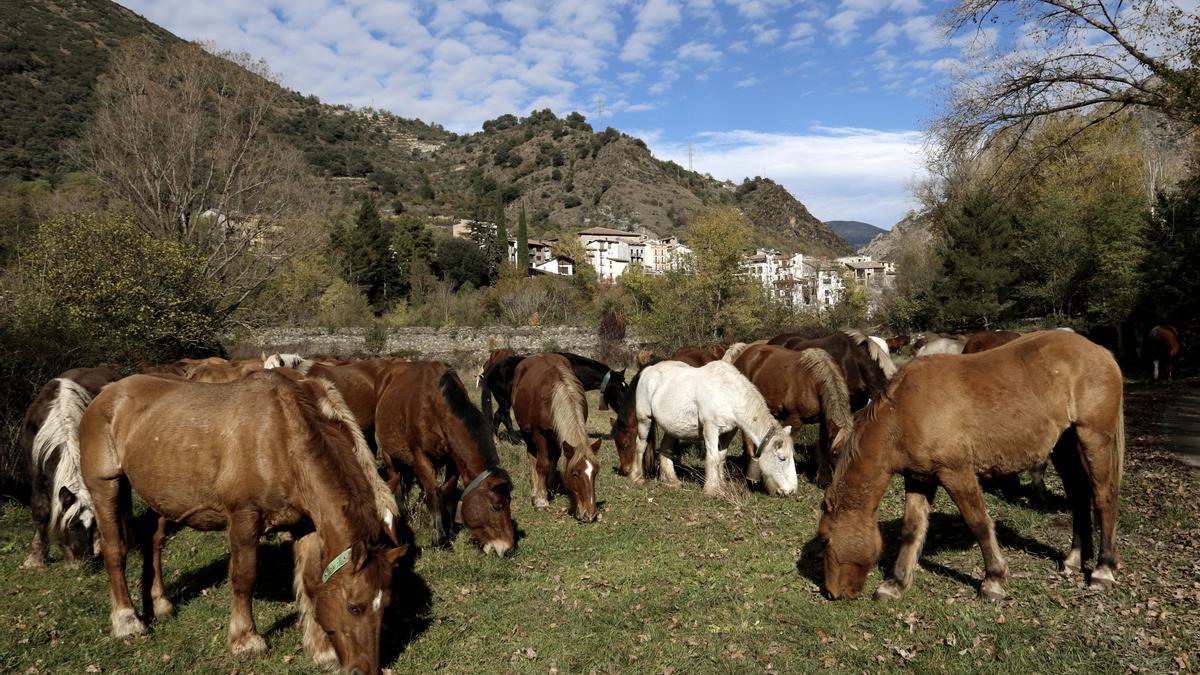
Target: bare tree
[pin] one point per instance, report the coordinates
(1084, 59)
(182, 138)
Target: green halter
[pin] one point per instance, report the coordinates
(336, 564)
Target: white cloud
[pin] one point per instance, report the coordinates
(698, 51)
(838, 173)
(748, 82)
(653, 21)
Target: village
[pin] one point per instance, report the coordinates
(802, 281)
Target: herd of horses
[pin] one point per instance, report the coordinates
(318, 449)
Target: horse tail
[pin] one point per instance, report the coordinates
(879, 356)
(60, 432)
(485, 402)
(333, 407)
(307, 553)
(734, 351)
(835, 396)
(566, 400)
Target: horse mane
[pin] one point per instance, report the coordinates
(332, 454)
(333, 407)
(629, 401)
(879, 356)
(461, 407)
(734, 351)
(566, 398)
(577, 360)
(835, 397)
(61, 430)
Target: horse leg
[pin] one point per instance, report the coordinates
(539, 467)
(154, 594)
(39, 504)
(918, 495)
(449, 491)
(713, 461)
(666, 462)
(641, 447)
(825, 435)
(1097, 449)
(1069, 464)
(964, 489)
(427, 475)
(244, 531)
(1037, 484)
(113, 504)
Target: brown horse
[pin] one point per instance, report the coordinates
(551, 411)
(48, 439)
(252, 456)
(947, 420)
(426, 420)
(801, 387)
(898, 342)
(698, 356)
(1163, 348)
(356, 381)
(988, 339)
(864, 366)
(223, 372)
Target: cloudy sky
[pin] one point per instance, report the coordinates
(825, 96)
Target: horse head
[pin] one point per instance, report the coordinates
(349, 593)
(580, 479)
(776, 462)
(852, 548)
(486, 508)
(625, 438)
(612, 389)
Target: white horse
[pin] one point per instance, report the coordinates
(710, 404)
(282, 361)
(941, 346)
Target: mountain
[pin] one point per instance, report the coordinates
(566, 174)
(856, 233)
(912, 229)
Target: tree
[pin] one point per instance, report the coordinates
(412, 243)
(181, 137)
(370, 260)
(463, 263)
(1072, 56)
(500, 242)
(522, 242)
(977, 265)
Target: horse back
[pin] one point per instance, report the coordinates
(533, 384)
(409, 412)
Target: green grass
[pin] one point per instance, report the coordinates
(669, 581)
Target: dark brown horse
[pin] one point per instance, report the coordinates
(426, 421)
(988, 339)
(864, 366)
(895, 344)
(948, 420)
(249, 457)
(1163, 349)
(48, 439)
(495, 357)
(801, 387)
(551, 411)
(698, 356)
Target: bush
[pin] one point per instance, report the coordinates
(375, 337)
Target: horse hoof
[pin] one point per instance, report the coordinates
(888, 590)
(1101, 579)
(163, 609)
(34, 562)
(1071, 565)
(250, 645)
(541, 504)
(125, 624)
(991, 591)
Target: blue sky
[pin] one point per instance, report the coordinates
(827, 97)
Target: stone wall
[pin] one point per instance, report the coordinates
(458, 346)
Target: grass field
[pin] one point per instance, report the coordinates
(671, 581)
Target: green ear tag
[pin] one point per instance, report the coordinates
(336, 564)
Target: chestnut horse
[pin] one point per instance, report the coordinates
(257, 455)
(356, 382)
(551, 411)
(988, 339)
(698, 356)
(948, 420)
(864, 366)
(426, 420)
(801, 387)
(898, 342)
(48, 439)
(1162, 347)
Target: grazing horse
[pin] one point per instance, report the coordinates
(257, 455)
(895, 344)
(801, 387)
(48, 438)
(988, 339)
(426, 420)
(498, 385)
(698, 356)
(223, 372)
(1162, 347)
(593, 374)
(941, 345)
(864, 366)
(278, 360)
(709, 404)
(496, 356)
(947, 420)
(356, 382)
(551, 411)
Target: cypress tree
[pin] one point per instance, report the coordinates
(501, 241)
(522, 242)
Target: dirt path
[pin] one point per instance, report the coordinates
(1181, 424)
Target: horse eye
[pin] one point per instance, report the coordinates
(497, 507)
(356, 609)
(574, 474)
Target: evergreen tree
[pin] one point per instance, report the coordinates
(412, 243)
(522, 242)
(500, 243)
(369, 260)
(978, 264)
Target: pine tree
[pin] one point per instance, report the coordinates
(370, 262)
(978, 265)
(522, 242)
(412, 243)
(500, 243)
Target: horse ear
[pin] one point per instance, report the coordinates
(622, 373)
(568, 450)
(392, 555)
(596, 445)
(358, 556)
(66, 497)
(787, 431)
(613, 423)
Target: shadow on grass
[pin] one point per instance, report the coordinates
(408, 616)
(947, 532)
(274, 581)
